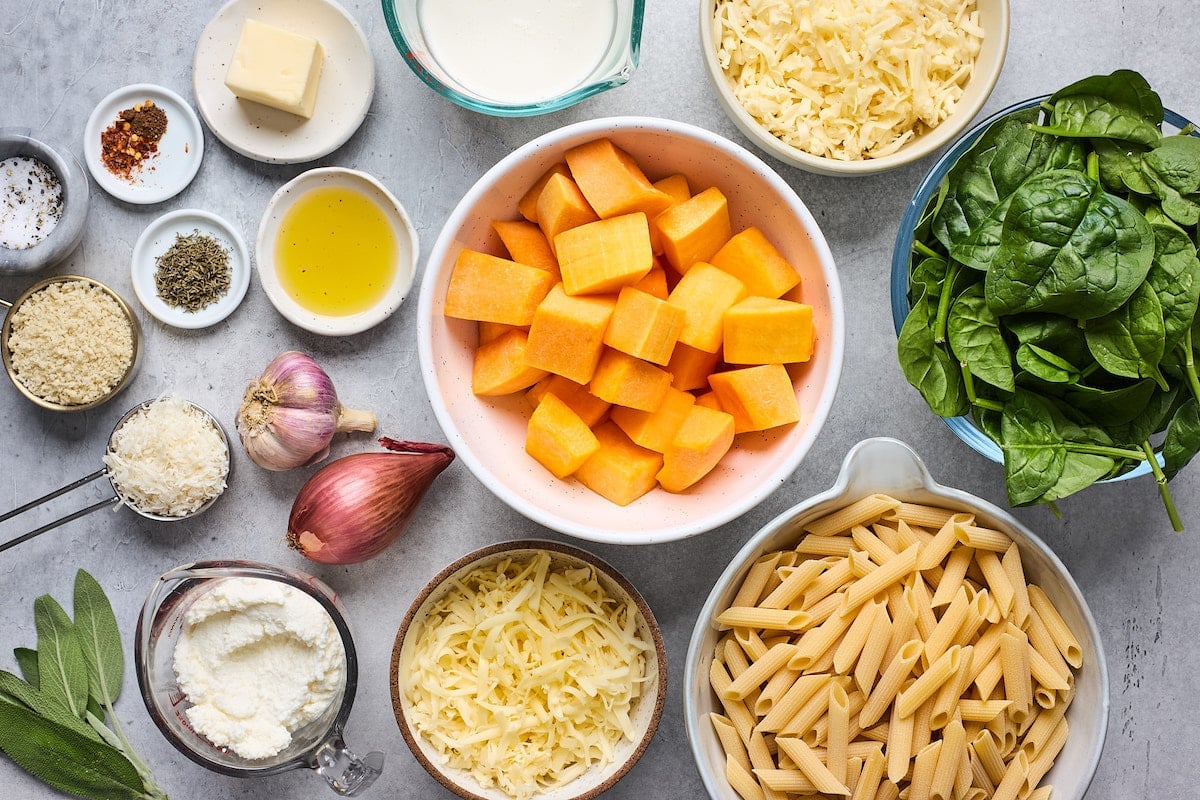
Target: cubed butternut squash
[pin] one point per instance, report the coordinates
(655, 283)
(751, 258)
(591, 409)
(527, 205)
(566, 335)
(759, 397)
(676, 187)
(709, 400)
(690, 367)
(624, 380)
(557, 438)
(704, 293)
(494, 330)
(491, 289)
(704, 438)
(695, 229)
(612, 181)
(500, 366)
(605, 255)
(526, 244)
(644, 326)
(560, 207)
(760, 330)
(655, 429)
(619, 470)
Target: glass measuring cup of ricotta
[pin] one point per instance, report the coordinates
(317, 745)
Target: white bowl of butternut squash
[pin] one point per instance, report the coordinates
(631, 330)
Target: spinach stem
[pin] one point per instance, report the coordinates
(1104, 450)
(972, 398)
(1163, 490)
(1189, 365)
(1093, 166)
(924, 249)
(943, 309)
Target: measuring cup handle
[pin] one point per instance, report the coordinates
(346, 773)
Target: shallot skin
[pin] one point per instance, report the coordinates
(354, 507)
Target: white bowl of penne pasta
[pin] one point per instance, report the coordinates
(893, 634)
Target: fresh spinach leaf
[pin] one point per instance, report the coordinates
(976, 340)
(1080, 470)
(1046, 366)
(925, 282)
(1117, 106)
(929, 367)
(1068, 247)
(1176, 162)
(1034, 453)
(1154, 418)
(1112, 406)
(1175, 277)
(1129, 341)
(1060, 335)
(1119, 162)
(61, 667)
(978, 249)
(1183, 438)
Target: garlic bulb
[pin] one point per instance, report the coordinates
(291, 412)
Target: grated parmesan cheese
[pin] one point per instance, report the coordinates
(525, 674)
(847, 79)
(168, 458)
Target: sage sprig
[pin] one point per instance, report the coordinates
(54, 722)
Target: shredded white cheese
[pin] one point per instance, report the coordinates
(847, 79)
(168, 458)
(525, 674)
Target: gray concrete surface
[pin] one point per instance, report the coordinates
(58, 59)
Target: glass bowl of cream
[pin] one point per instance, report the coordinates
(249, 669)
(519, 58)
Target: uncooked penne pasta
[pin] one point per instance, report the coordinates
(923, 516)
(924, 765)
(981, 710)
(825, 545)
(741, 717)
(731, 743)
(866, 509)
(775, 688)
(889, 684)
(855, 640)
(1016, 775)
(838, 737)
(944, 632)
(794, 584)
(866, 669)
(867, 785)
(808, 763)
(751, 590)
(1066, 642)
(899, 745)
(790, 703)
(937, 548)
(759, 671)
(952, 576)
(987, 748)
(983, 538)
(743, 782)
(869, 543)
(817, 641)
(945, 703)
(832, 579)
(945, 773)
(1000, 587)
(788, 781)
(879, 579)
(774, 619)
(927, 685)
(1011, 561)
(1014, 667)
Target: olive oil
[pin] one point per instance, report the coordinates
(336, 253)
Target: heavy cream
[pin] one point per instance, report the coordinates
(518, 51)
(258, 660)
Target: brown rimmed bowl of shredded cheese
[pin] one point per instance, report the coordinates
(70, 343)
(899, 637)
(528, 669)
(853, 87)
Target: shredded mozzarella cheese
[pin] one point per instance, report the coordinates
(847, 79)
(525, 674)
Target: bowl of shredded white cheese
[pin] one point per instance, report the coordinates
(855, 87)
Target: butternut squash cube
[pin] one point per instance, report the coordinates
(624, 380)
(612, 181)
(655, 282)
(561, 206)
(704, 293)
(644, 326)
(704, 438)
(695, 229)
(526, 244)
(527, 205)
(690, 367)
(655, 429)
(500, 366)
(566, 335)
(489, 331)
(557, 438)
(619, 470)
(491, 289)
(591, 409)
(759, 330)
(605, 255)
(751, 258)
(676, 186)
(709, 400)
(758, 397)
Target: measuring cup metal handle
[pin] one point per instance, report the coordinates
(346, 773)
(62, 521)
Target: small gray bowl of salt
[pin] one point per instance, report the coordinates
(43, 203)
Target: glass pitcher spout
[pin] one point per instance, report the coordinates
(346, 773)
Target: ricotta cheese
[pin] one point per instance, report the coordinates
(257, 660)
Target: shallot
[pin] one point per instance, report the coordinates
(354, 507)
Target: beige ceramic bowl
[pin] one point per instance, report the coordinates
(993, 17)
(488, 433)
(646, 711)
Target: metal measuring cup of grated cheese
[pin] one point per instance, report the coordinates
(178, 487)
(169, 616)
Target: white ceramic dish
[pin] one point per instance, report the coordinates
(267, 134)
(408, 248)
(892, 467)
(993, 18)
(158, 237)
(180, 149)
(489, 433)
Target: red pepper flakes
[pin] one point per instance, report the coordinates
(132, 138)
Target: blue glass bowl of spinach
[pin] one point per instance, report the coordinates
(1065, 228)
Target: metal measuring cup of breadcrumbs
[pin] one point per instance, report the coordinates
(140, 478)
(179, 602)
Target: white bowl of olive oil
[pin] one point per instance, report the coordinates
(336, 252)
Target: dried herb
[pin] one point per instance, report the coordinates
(193, 273)
(132, 138)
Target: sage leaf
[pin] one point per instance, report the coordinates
(99, 638)
(1069, 248)
(27, 661)
(1034, 453)
(929, 367)
(65, 759)
(976, 339)
(18, 691)
(1129, 341)
(61, 667)
(1183, 438)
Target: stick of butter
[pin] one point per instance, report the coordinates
(277, 68)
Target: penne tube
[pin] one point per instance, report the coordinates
(755, 581)
(1005, 731)
(922, 730)
(979, 775)
(873, 764)
(981, 710)
(947, 627)
(904, 624)
(899, 746)
(926, 619)
(775, 688)
(790, 703)
(871, 544)
(1016, 775)
(979, 538)
(750, 642)
(1041, 793)
(825, 609)
(866, 669)
(875, 582)
(1011, 562)
(945, 702)
(924, 687)
(793, 584)
(813, 545)
(832, 579)
(1014, 666)
(759, 672)
(838, 737)
(949, 763)
(774, 619)
(922, 516)
(990, 676)
(817, 641)
(810, 765)
(987, 749)
(852, 644)
(889, 684)
(1041, 641)
(1066, 642)
(887, 791)
(788, 781)
(735, 658)
(1043, 760)
(743, 782)
(867, 509)
(952, 576)
(760, 758)
(999, 586)
(731, 742)
(888, 535)
(919, 788)
(937, 548)
(736, 711)
(861, 563)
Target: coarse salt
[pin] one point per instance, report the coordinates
(31, 202)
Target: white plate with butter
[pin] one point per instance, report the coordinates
(344, 91)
